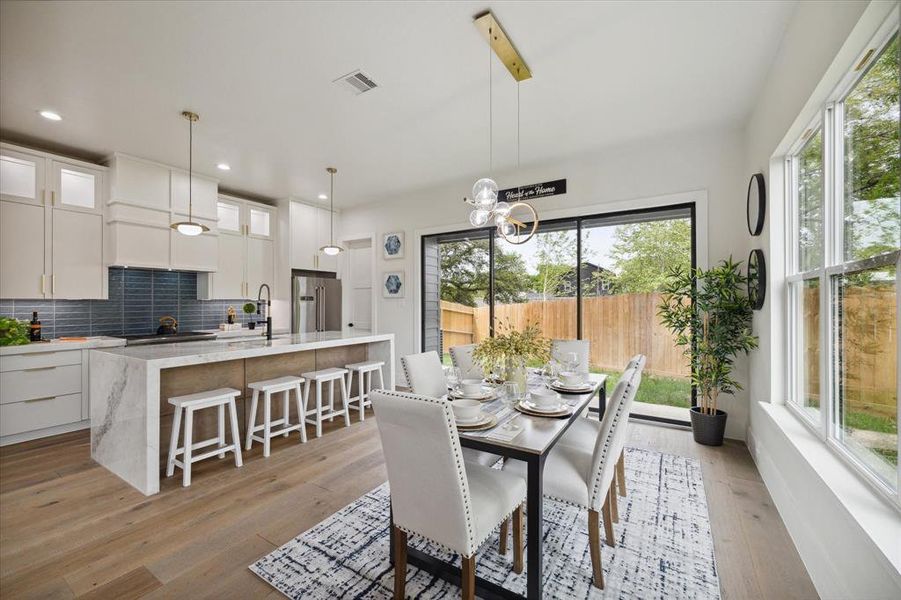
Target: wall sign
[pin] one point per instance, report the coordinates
(524, 193)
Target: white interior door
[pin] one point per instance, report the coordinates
(357, 284)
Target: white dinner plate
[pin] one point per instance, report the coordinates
(582, 387)
(544, 409)
(487, 393)
(481, 419)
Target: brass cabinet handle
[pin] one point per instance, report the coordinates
(53, 284)
(43, 284)
(40, 399)
(52, 197)
(39, 369)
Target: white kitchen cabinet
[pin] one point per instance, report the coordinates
(53, 234)
(76, 255)
(246, 256)
(205, 194)
(310, 230)
(22, 245)
(146, 198)
(22, 175)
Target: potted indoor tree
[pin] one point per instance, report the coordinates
(713, 306)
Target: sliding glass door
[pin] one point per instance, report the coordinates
(625, 259)
(596, 278)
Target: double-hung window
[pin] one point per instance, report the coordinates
(842, 265)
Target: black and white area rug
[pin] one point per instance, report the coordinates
(664, 548)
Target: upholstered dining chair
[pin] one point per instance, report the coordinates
(425, 377)
(434, 492)
(581, 472)
(462, 359)
(582, 349)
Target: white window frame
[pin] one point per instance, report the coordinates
(832, 264)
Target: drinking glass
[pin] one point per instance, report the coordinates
(572, 361)
(511, 393)
(453, 377)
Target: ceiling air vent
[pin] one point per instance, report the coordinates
(356, 82)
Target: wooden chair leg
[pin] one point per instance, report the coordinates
(502, 545)
(621, 474)
(517, 539)
(614, 507)
(400, 563)
(594, 545)
(608, 521)
(469, 578)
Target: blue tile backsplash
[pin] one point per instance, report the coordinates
(137, 299)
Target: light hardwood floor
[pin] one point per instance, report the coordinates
(69, 528)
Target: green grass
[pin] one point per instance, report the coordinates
(869, 422)
(666, 391)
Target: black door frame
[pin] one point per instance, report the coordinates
(577, 221)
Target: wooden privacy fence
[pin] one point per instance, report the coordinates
(618, 327)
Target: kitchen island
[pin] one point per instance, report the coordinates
(130, 388)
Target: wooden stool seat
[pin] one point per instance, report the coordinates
(329, 376)
(364, 370)
(284, 385)
(188, 404)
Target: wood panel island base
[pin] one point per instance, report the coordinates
(131, 418)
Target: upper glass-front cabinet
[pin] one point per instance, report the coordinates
(229, 214)
(259, 222)
(76, 187)
(21, 177)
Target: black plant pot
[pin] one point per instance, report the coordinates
(708, 429)
(251, 325)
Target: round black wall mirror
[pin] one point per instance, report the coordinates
(756, 203)
(756, 279)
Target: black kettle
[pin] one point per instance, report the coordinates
(168, 326)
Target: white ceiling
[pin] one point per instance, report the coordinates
(260, 76)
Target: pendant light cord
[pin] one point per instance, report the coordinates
(190, 169)
(490, 108)
(331, 219)
(517, 118)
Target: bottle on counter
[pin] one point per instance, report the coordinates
(35, 329)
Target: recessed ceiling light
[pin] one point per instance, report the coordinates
(223, 167)
(50, 115)
(323, 197)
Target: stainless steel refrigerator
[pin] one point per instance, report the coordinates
(316, 302)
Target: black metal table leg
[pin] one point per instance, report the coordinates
(602, 400)
(535, 527)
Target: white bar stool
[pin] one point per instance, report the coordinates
(364, 372)
(319, 377)
(268, 387)
(189, 404)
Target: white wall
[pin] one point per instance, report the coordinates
(617, 179)
(847, 537)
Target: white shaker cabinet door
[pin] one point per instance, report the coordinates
(228, 280)
(260, 264)
(22, 251)
(77, 255)
(303, 221)
(21, 176)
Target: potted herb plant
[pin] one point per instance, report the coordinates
(713, 305)
(508, 351)
(250, 308)
(13, 332)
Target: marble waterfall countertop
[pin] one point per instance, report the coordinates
(125, 387)
(206, 351)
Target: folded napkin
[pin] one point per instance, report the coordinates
(504, 434)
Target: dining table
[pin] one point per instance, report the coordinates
(535, 437)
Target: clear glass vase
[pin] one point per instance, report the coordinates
(515, 371)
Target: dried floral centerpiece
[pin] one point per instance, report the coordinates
(509, 350)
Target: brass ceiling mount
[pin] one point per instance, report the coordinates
(503, 47)
(191, 116)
